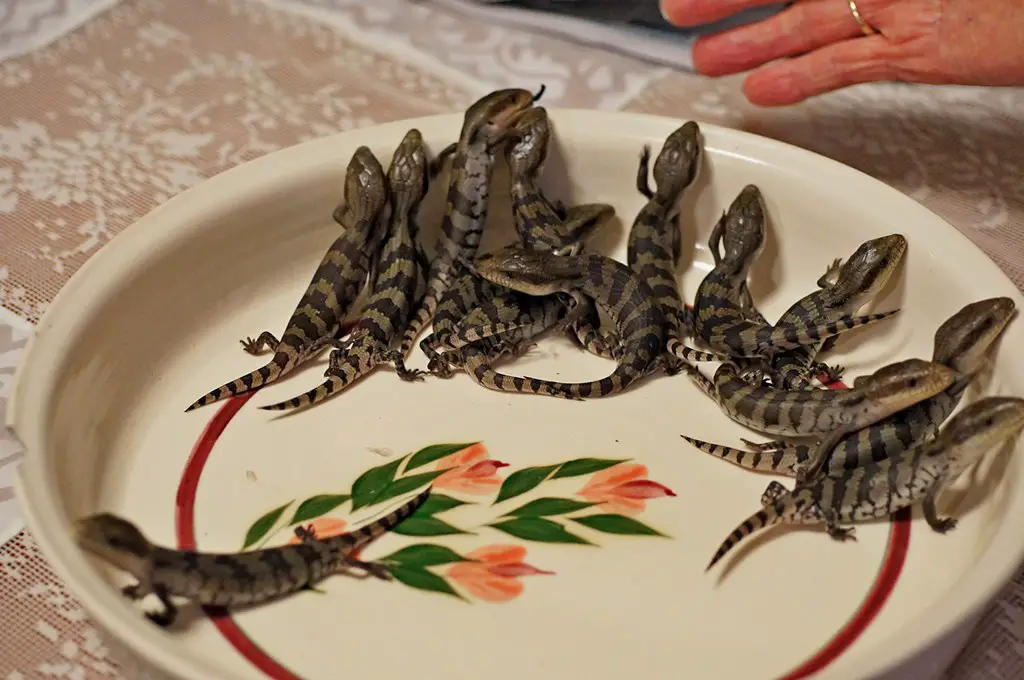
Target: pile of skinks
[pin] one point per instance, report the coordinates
(860, 454)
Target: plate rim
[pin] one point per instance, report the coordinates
(976, 589)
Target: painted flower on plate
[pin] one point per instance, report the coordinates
(623, 488)
(495, 573)
(469, 470)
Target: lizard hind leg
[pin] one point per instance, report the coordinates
(264, 342)
(773, 492)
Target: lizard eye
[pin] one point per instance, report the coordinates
(913, 382)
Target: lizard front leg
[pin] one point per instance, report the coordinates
(265, 341)
(836, 532)
(828, 372)
(169, 613)
(931, 514)
(824, 281)
(642, 173)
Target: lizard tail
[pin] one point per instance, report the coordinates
(425, 311)
(338, 378)
(779, 461)
(791, 336)
(703, 382)
(676, 348)
(481, 372)
(284, 361)
(764, 517)
(368, 532)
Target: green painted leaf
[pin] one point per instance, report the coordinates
(315, 506)
(424, 555)
(585, 466)
(426, 526)
(616, 524)
(521, 481)
(538, 529)
(372, 482)
(421, 579)
(264, 524)
(544, 507)
(438, 503)
(404, 485)
(434, 452)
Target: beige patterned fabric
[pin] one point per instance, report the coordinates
(145, 100)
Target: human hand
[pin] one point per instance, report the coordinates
(814, 46)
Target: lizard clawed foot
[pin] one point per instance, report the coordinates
(943, 525)
(305, 533)
(250, 346)
(841, 534)
(162, 618)
(830, 373)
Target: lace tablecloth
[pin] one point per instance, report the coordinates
(107, 109)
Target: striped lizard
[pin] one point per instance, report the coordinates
(395, 289)
(342, 273)
(724, 315)
(486, 125)
(875, 491)
(626, 298)
(654, 247)
(230, 579)
(963, 343)
(858, 281)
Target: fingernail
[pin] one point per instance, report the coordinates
(663, 8)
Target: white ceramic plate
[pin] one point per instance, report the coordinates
(153, 321)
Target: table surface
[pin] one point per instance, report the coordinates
(109, 108)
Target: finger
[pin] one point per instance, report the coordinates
(841, 64)
(695, 12)
(800, 28)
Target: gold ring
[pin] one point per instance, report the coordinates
(865, 27)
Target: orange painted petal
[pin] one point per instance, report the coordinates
(473, 486)
(516, 569)
(616, 475)
(642, 488)
(497, 553)
(624, 506)
(493, 588)
(466, 456)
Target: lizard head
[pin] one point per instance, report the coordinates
(984, 423)
(743, 237)
(527, 150)
(408, 172)
(905, 382)
(489, 119)
(115, 540)
(964, 339)
(867, 271)
(677, 163)
(365, 189)
(533, 272)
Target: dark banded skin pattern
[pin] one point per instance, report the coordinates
(724, 316)
(655, 239)
(317, 320)
(627, 300)
(799, 413)
(963, 342)
(538, 222)
(398, 274)
(485, 127)
(230, 579)
(857, 281)
(877, 490)
(517, 318)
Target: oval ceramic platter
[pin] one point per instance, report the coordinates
(564, 539)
